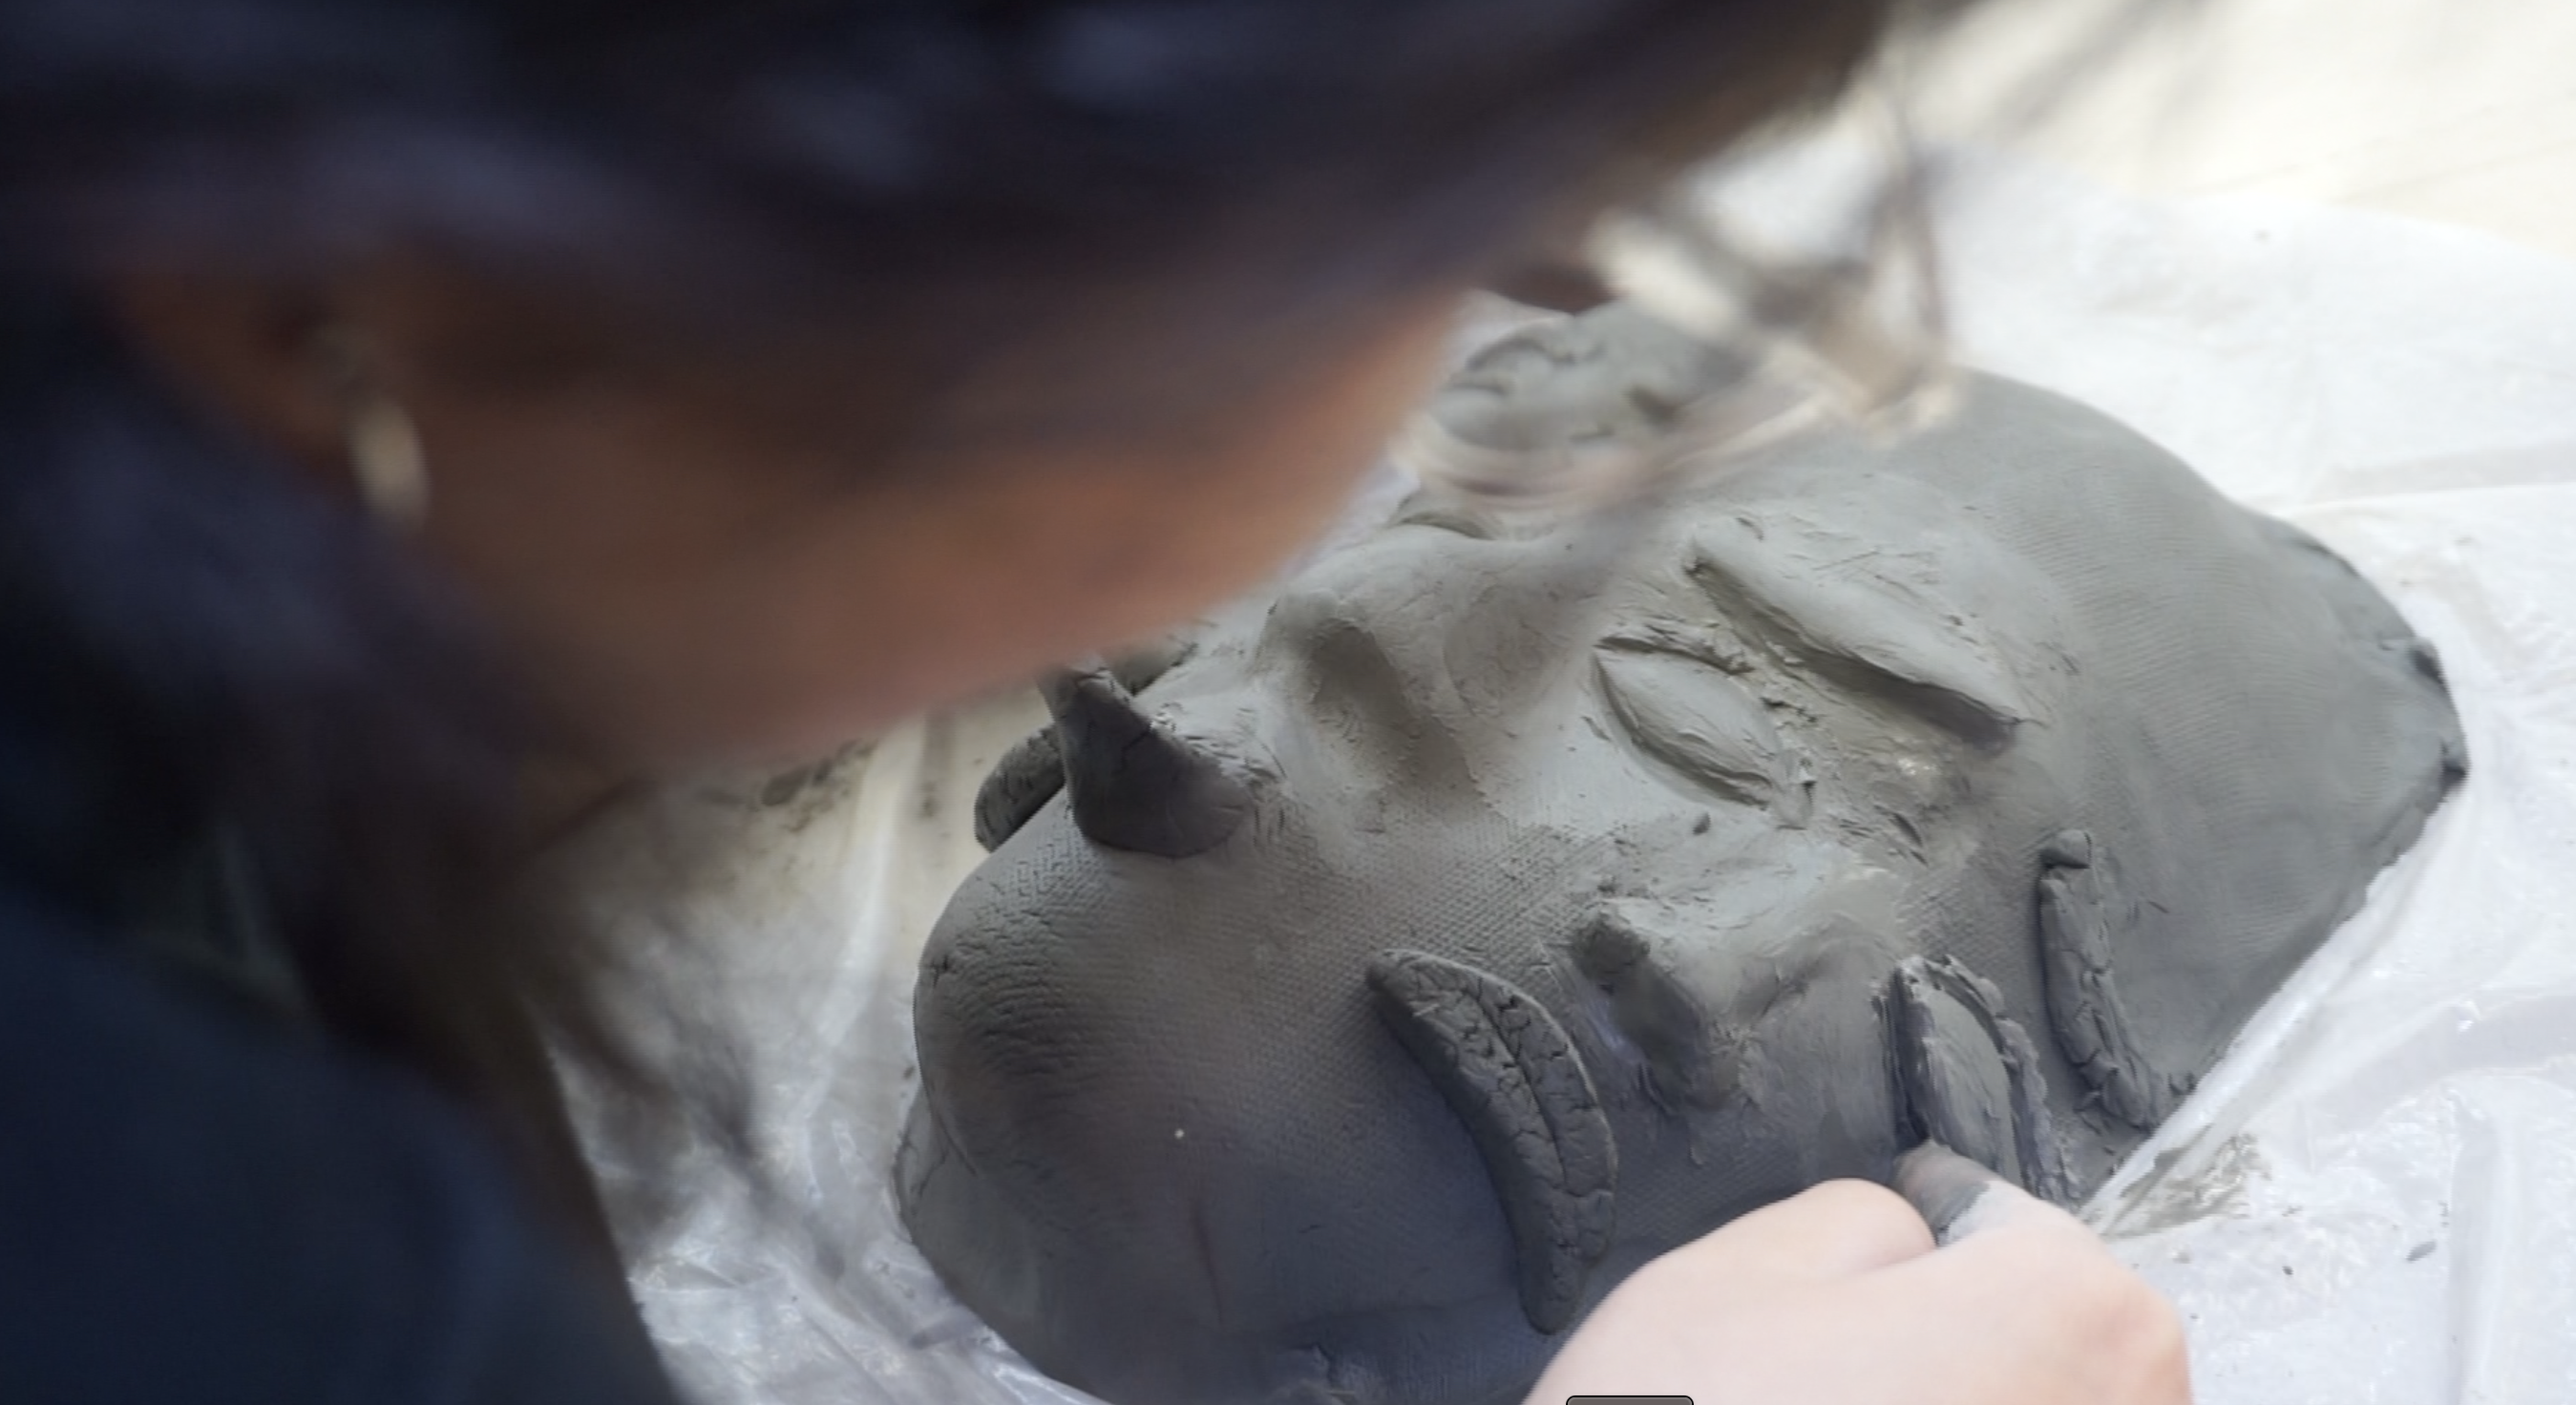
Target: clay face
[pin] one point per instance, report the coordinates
(1349, 1006)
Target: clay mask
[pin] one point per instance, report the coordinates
(1347, 1008)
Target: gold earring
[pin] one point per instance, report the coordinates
(385, 455)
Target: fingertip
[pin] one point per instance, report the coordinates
(1943, 1186)
(1855, 1226)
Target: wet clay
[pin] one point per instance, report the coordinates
(1346, 1008)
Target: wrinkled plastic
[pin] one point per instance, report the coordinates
(2372, 1199)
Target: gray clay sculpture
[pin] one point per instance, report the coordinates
(1346, 1009)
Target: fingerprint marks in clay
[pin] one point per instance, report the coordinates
(1517, 1082)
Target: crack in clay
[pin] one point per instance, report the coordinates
(1582, 904)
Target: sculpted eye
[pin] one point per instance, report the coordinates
(1899, 635)
(1693, 718)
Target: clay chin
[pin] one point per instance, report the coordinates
(1347, 1006)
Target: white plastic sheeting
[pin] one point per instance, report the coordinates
(2373, 1199)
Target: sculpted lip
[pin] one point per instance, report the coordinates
(1974, 789)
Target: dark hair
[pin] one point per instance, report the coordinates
(221, 650)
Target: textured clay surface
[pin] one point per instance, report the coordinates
(1415, 958)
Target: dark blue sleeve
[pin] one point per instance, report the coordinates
(195, 1209)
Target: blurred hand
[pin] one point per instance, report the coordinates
(1840, 1297)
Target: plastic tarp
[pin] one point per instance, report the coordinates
(2372, 1199)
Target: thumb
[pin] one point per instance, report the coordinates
(1958, 1197)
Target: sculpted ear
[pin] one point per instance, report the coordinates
(1970, 1075)
(1520, 1086)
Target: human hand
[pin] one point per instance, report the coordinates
(1840, 1297)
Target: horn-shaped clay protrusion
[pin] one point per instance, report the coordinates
(1518, 1083)
(1133, 785)
(1019, 785)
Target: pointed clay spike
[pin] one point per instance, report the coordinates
(1135, 786)
(1020, 784)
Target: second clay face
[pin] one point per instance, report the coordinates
(1347, 1007)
